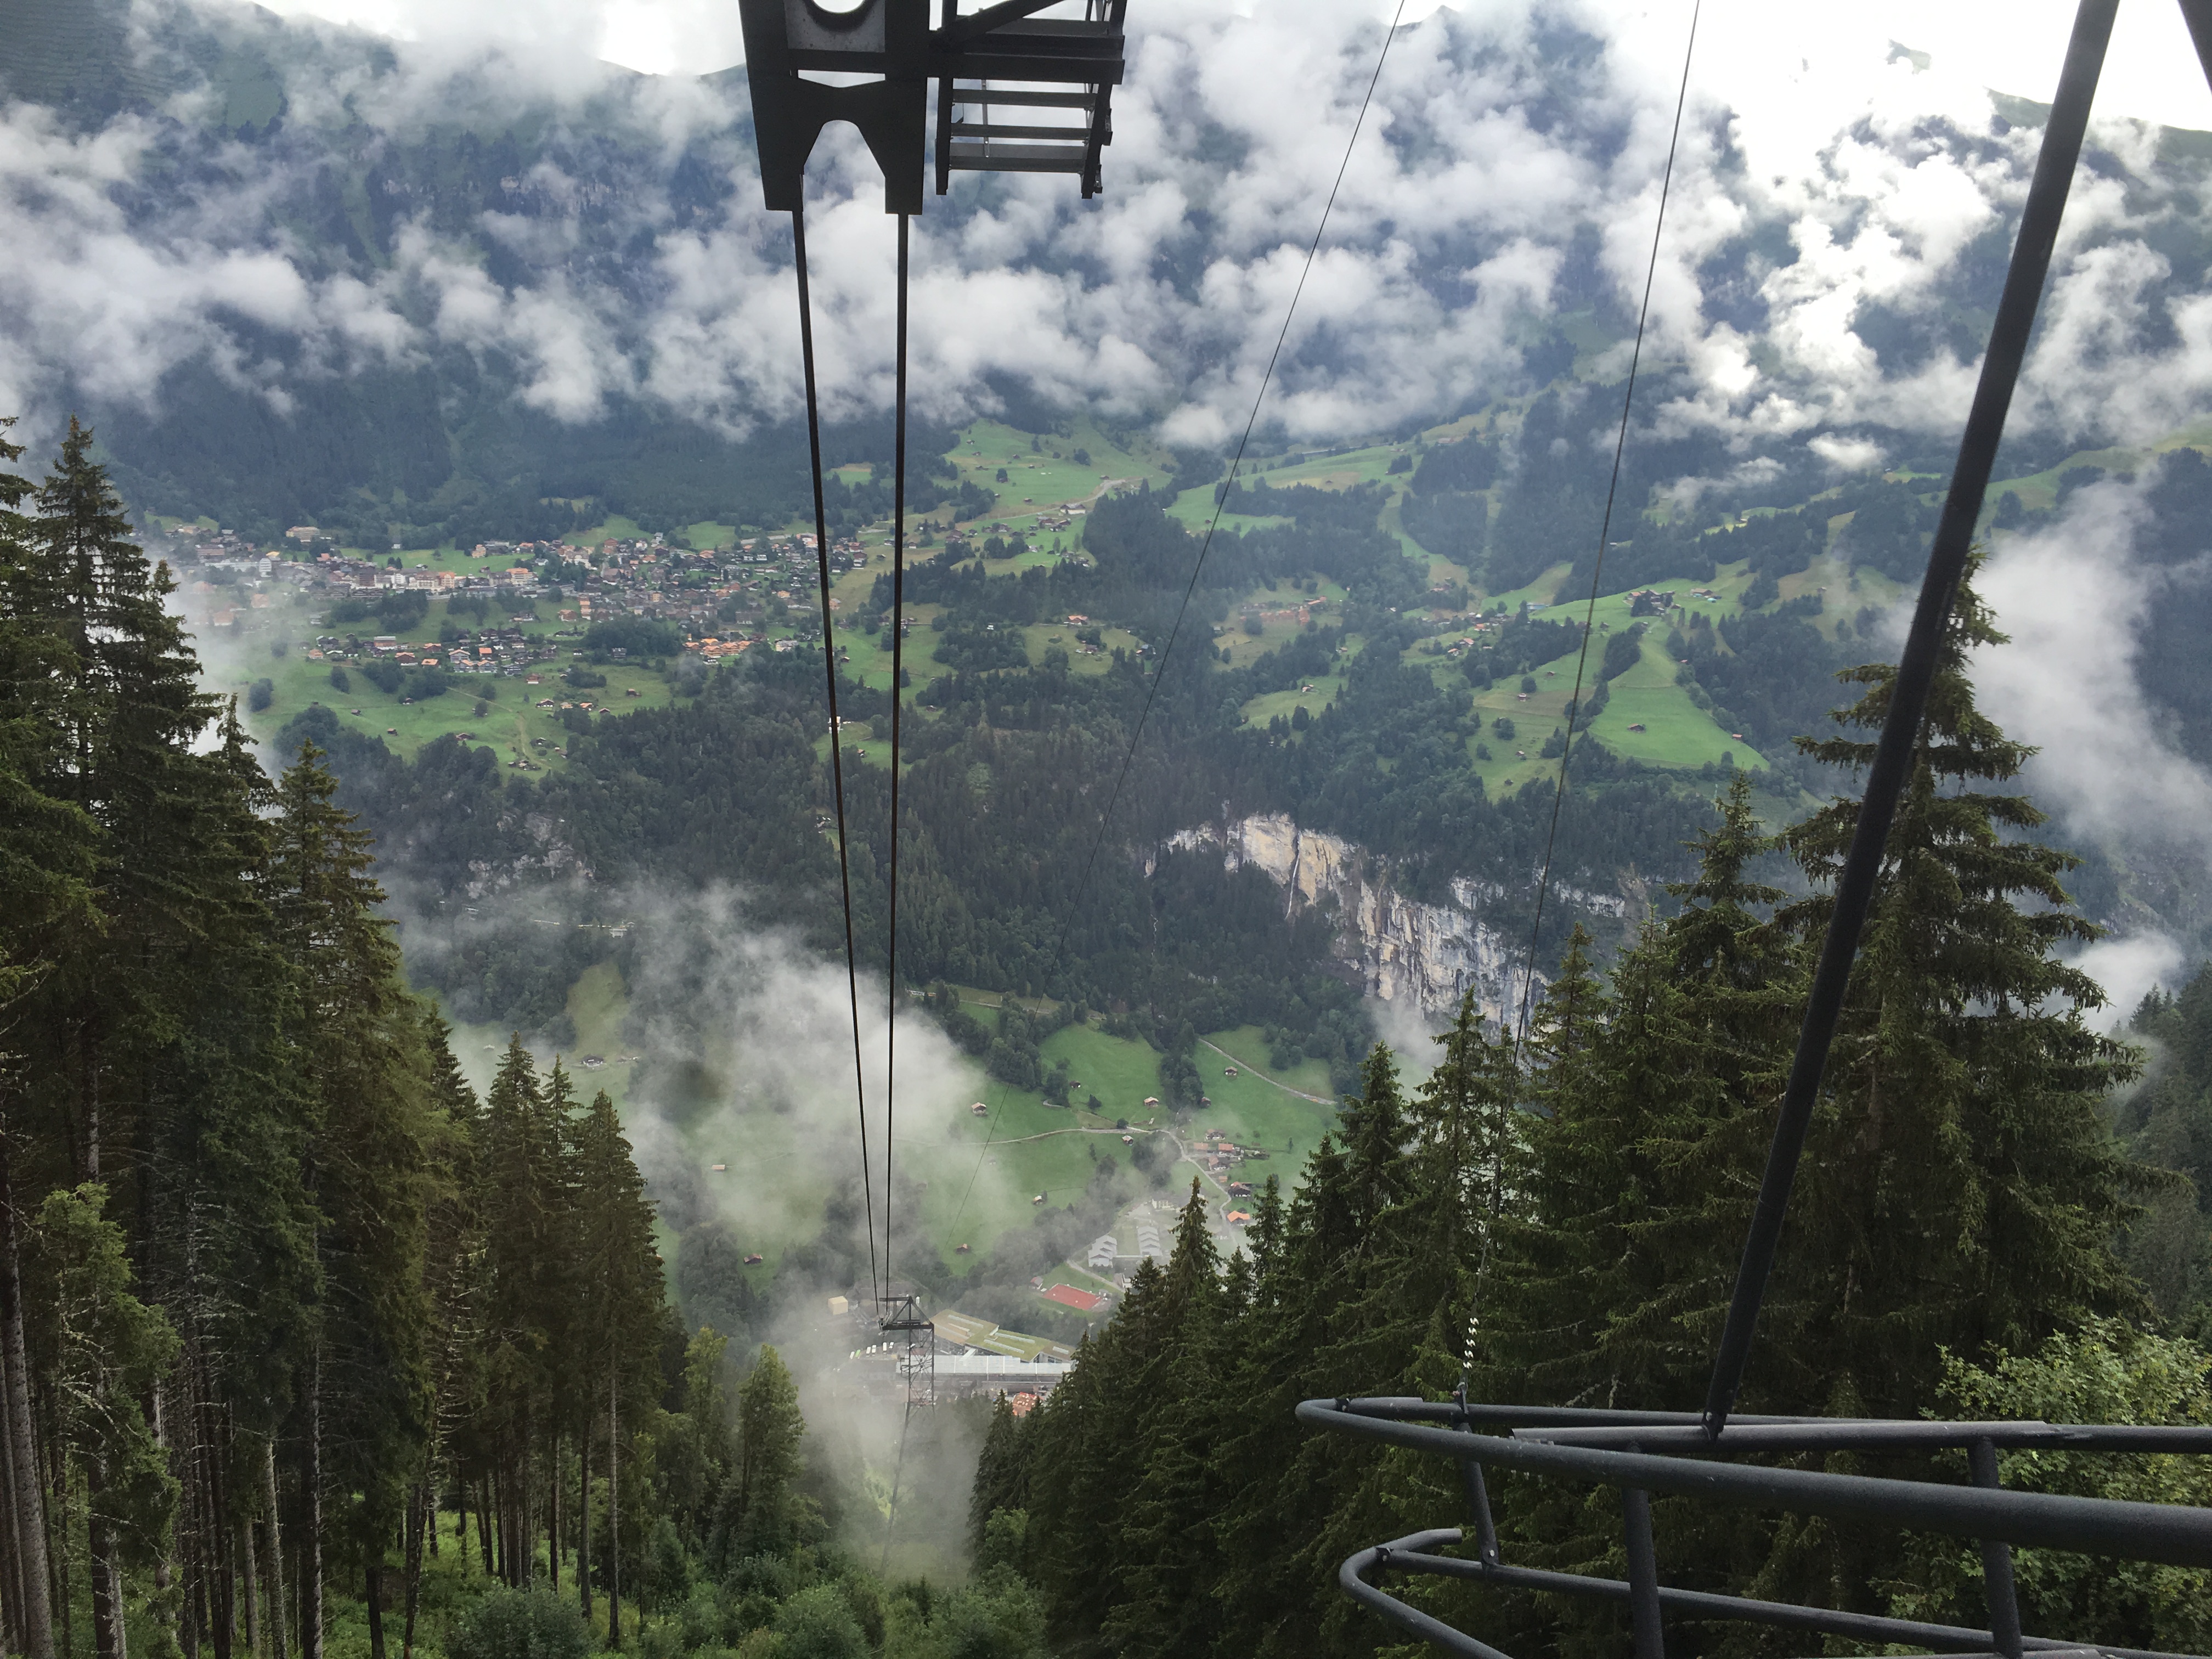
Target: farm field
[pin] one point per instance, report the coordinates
(512, 725)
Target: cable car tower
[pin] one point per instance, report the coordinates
(1057, 75)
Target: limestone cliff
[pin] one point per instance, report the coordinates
(1425, 955)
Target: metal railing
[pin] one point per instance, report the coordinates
(1640, 1453)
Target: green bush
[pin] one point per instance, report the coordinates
(509, 1624)
(260, 694)
(340, 680)
(818, 1623)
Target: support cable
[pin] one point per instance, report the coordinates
(836, 755)
(1220, 501)
(898, 699)
(2063, 132)
(1605, 530)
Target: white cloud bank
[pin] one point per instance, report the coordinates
(1508, 172)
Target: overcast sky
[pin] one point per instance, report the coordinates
(2014, 46)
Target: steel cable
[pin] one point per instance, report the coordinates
(898, 699)
(1605, 530)
(1220, 501)
(836, 753)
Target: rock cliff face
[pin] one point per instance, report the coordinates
(1424, 955)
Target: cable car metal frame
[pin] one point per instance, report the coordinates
(1686, 1454)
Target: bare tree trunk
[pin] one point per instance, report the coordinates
(106, 1586)
(525, 1515)
(311, 1512)
(164, 1573)
(411, 1555)
(250, 1587)
(279, 1612)
(11, 1525)
(57, 1532)
(223, 1605)
(583, 1515)
(614, 1511)
(373, 1584)
(26, 1505)
(553, 1511)
(192, 1609)
(483, 1520)
(88, 1067)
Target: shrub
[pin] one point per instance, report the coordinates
(340, 680)
(384, 674)
(510, 1624)
(260, 694)
(583, 679)
(818, 1623)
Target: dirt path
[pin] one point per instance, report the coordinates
(1318, 1100)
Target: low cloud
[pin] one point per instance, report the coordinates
(2073, 599)
(1821, 226)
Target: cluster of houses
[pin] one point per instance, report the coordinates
(488, 651)
(1301, 613)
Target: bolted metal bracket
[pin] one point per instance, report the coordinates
(1003, 57)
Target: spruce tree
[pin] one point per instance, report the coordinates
(1166, 1553)
(103, 1350)
(1001, 1472)
(763, 1511)
(366, 1061)
(1960, 1189)
(618, 1297)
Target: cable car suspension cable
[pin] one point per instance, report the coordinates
(1605, 530)
(898, 699)
(836, 753)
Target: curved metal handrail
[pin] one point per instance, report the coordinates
(1694, 1466)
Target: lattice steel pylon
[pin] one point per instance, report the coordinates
(1684, 1454)
(903, 1322)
